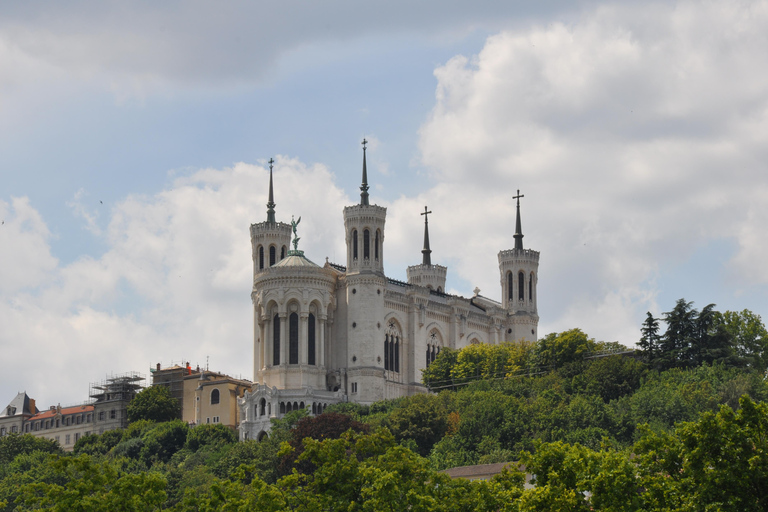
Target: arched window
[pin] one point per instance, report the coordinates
(282, 407)
(282, 253)
(272, 255)
(510, 286)
(311, 339)
(530, 287)
(261, 257)
(392, 348)
(293, 339)
(521, 286)
(288, 407)
(376, 246)
(366, 244)
(263, 407)
(276, 340)
(354, 244)
(214, 397)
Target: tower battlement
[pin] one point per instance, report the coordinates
(528, 255)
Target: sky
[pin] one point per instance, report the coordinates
(134, 140)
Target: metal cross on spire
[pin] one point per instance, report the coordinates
(518, 229)
(364, 186)
(271, 200)
(426, 251)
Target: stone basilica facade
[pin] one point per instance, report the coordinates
(335, 333)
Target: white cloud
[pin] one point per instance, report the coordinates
(633, 133)
(174, 282)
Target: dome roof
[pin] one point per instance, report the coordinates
(295, 259)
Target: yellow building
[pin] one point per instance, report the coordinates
(211, 397)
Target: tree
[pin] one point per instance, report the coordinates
(210, 434)
(556, 350)
(154, 403)
(750, 337)
(324, 426)
(15, 444)
(681, 331)
(423, 418)
(650, 340)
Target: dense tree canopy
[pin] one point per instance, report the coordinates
(154, 403)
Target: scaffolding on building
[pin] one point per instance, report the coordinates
(121, 387)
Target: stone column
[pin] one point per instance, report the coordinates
(320, 343)
(303, 338)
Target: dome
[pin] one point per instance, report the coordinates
(295, 259)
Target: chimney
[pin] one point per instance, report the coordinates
(158, 366)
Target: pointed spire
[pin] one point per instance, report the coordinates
(271, 201)
(364, 186)
(518, 229)
(426, 251)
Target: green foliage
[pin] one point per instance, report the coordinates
(154, 403)
(163, 441)
(15, 444)
(93, 486)
(750, 337)
(610, 377)
(98, 444)
(421, 418)
(556, 350)
(210, 434)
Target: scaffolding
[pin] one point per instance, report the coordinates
(114, 388)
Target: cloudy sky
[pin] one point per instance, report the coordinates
(134, 139)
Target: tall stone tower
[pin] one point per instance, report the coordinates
(427, 274)
(519, 270)
(364, 287)
(270, 241)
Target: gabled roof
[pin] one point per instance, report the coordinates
(19, 405)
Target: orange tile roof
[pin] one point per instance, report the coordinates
(64, 411)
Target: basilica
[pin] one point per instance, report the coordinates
(335, 333)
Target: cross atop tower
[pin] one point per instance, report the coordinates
(364, 186)
(426, 251)
(518, 227)
(271, 200)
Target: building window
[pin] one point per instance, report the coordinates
(263, 408)
(261, 257)
(56, 438)
(311, 339)
(272, 255)
(276, 340)
(101, 416)
(57, 422)
(214, 397)
(530, 287)
(77, 436)
(366, 244)
(376, 246)
(79, 419)
(15, 429)
(510, 286)
(521, 286)
(66, 439)
(282, 253)
(293, 339)
(354, 387)
(354, 244)
(88, 418)
(112, 414)
(207, 420)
